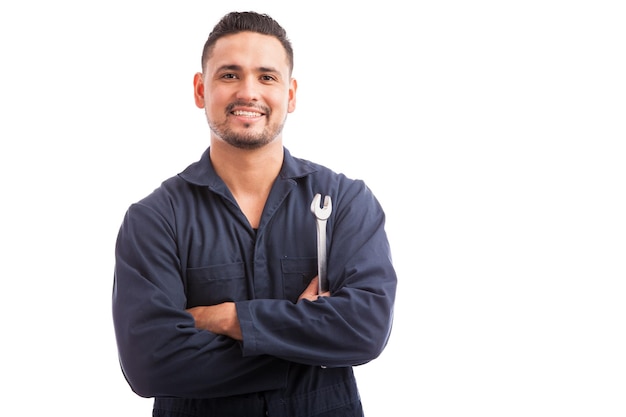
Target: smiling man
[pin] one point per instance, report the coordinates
(216, 301)
(246, 89)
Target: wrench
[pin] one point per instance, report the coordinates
(321, 214)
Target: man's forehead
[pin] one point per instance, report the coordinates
(249, 42)
(248, 50)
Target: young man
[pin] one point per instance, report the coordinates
(216, 304)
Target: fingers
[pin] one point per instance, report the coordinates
(310, 292)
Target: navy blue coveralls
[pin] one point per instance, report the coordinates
(188, 244)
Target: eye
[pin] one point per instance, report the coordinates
(268, 78)
(229, 76)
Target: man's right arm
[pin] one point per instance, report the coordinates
(161, 351)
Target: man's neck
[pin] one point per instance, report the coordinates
(248, 174)
(247, 170)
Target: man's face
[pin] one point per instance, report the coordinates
(246, 90)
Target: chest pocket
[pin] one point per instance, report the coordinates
(215, 284)
(297, 274)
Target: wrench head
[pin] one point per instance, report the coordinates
(321, 212)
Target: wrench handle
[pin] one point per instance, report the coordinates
(321, 256)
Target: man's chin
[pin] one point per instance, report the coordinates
(247, 143)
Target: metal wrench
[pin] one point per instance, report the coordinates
(321, 214)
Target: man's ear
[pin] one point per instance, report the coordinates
(293, 86)
(198, 90)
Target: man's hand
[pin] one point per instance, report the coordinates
(219, 319)
(310, 292)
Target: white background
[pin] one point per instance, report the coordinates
(491, 131)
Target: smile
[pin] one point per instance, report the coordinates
(246, 113)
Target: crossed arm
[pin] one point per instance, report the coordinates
(222, 318)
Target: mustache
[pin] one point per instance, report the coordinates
(256, 106)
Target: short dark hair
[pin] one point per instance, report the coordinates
(236, 22)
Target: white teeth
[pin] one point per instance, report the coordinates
(246, 113)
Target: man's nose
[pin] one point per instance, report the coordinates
(248, 89)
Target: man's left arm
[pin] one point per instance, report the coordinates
(353, 324)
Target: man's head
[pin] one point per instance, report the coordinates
(236, 22)
(245, 87)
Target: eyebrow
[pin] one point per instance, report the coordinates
(234, 67)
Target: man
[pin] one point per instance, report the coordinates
(216, 304)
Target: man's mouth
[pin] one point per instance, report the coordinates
(246, 113)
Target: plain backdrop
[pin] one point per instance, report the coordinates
(492, 133)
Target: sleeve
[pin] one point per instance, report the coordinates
(352, 326)
(161, 353)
